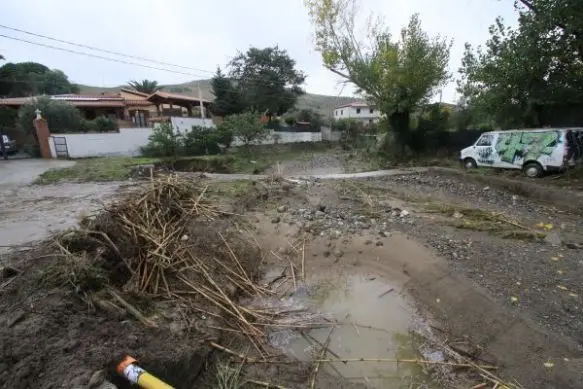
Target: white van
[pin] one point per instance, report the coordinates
(535, 151)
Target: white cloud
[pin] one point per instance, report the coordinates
(205, 34)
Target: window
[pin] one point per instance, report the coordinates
(336, 113)
(357, 110)
(341, 112)
(371, 110)
(485, 140)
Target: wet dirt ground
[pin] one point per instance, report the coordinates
(374, 256)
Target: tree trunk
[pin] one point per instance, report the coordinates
(399, 122)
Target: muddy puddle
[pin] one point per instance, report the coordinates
(377, 322)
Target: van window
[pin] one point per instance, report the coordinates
(485, 140)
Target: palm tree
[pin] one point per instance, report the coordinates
(145, 86)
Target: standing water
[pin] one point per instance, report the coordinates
(376, 323)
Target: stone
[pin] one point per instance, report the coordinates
(335, 234)
(16, 318)
(457, 215)
(379, 243)
(573, 246)
(404, 213)
(282, 208)
(326, 254)
(338, 253)
(96, 379)
(486, 188)
(184, 238)
(384, 234)
(321, 207)
(368, 241)
(276, 219)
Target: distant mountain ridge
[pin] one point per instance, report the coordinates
(323, 104)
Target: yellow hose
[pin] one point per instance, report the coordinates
(136, 375)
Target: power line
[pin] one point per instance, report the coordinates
(98, 56)
(103, 50)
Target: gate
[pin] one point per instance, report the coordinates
(60, 143)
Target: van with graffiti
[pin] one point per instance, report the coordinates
(534, 151)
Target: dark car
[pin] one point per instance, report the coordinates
(9, 145)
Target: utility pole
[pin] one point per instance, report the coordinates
(202, 113)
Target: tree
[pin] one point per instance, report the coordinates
(228, 100)
(397, 76)
(61, 116)
(32, 79)
(246, 126)
(523, 73)
(267, 79)
(145, 86)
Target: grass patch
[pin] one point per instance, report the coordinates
(94, 169)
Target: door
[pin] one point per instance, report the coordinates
(484, 150)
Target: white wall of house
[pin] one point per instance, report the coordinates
(362, 113)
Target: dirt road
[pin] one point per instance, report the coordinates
(30, 212)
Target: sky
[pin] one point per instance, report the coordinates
(205, 34)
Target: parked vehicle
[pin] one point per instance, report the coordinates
(9, 145)
(535, 151)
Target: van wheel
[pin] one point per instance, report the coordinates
(533, 170)
(469, 163)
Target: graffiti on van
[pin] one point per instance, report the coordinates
(526, 145)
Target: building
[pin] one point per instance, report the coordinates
(128, 108)
(358, 110)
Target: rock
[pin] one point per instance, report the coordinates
(184, 238)
(486, 188)
(404, 213)
(384, 234)
(435, 356)
(553, 238)
(338, 253)
(457, 215)
(282, 208)
(7, 272)
(96, 379)
(321, 207)
(326, 254)
(335, 234)
(368, 241)
(573, 246)
(379, 243)
(16, 318)
(276, 219)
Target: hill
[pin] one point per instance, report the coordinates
(323, 104)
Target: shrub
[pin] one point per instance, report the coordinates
(247, 127)
(225, 135)
(61, 116)
(89, 126)
(201, 141)
(164, 142)
(105, 124)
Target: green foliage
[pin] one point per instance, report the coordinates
(225, 135)
(200, 141)
(8, 118)
(164, 142)
(61, 116)
(247, 127)
(398, 76)
(523, 72)
(105, 124)
(228, 99)
(145, 86)
(290, 119)
(267, 79)
(32, 79)
(88, 126)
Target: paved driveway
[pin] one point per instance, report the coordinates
(31, 212)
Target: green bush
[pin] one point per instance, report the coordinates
(225, 135)
(89, 126)
(200, 141)
(105, 124)
(61, 116)
(164, 142)
(247, 127)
